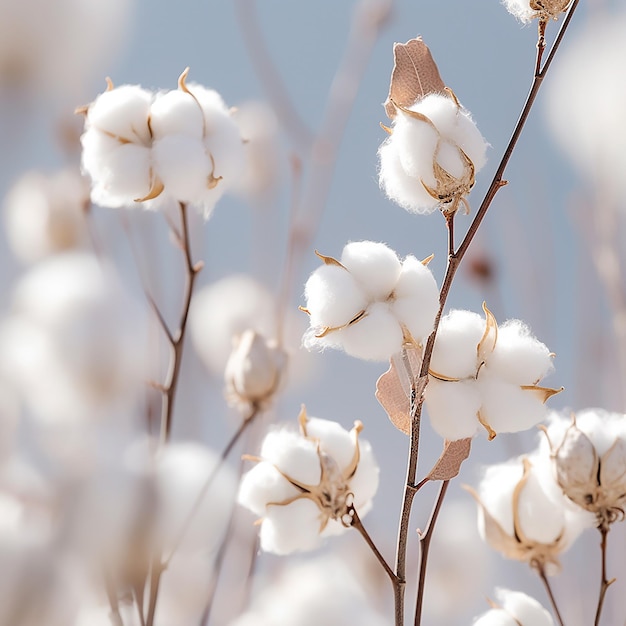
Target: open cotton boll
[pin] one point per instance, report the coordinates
(333, 439)
(292, 455)
(495, 492)
(293, 528)
(45, 214)
(454, 353)
(122, 112)
(452, 409)
(515, 609)
(176, 112)
(374, 266)
(518, 357)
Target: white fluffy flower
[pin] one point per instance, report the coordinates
(180, 146)
(515, 608)
(518, 518)
(72, 345)
(304, 484)
(46, 214)
(587, 453)
(527, 10)
(484, 375)
(321, 591)
(430, 159)
(369, 303)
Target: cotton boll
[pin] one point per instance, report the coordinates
(520, 9)
(176, 112)
(122, 112)
(375, 337)
(508, 408)
(518, 357)
(495, 490)
(262, 484)
(333, 297)
(374, 266)
(453, 407)
(292, 528)
(182, 165)
(45, 214)
(416, 298)
(496, 617)
(405, 190)
(455, 350)
(334, 440)
(523, 608)
(293, 455)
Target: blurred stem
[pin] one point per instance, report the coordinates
(111, 590)
(358, 524)
(425, 539)
(209, 481)
(604, 582)
(541, 570)
(177, 340)
(454, 260)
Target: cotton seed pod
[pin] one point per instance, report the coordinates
(254, 369)
(590, 470)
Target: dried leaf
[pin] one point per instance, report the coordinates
(449, 462)
(414, 76)
(393, 391)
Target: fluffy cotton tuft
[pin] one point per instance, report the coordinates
(304, 484)
(484, 375)
(367, 302)
(527, 10)
(514, 608)
(177, 146)
(442, 135)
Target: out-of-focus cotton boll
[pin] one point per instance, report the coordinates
(514, 608)
(430, 159)
(370, 302)
(263, 154)
(321, 591)
(73, 343)
(52, 50)
(303, 484)
(45, 214)
(527, 10)
(586, 122)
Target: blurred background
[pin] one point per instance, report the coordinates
(549, 251)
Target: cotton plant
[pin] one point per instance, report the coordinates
(305, 485)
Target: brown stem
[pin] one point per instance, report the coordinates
(155, 580)
(541, 43)
(425, 539)
(540, 568)
(604, 582)
(355, 522)
(207, 484)
(454, 259)
(178, 339)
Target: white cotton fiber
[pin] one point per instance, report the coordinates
(291, 528)
(292, 455)
(176, 112)
(526, 610)
(374, 266)
(453, 407)
(262, 484)
(364, 483)
(334, 440)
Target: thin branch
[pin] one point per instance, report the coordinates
(111, 592)
(207, 484)
(425, 539)
(178, 339)
(155, 580)
(355, 522)
(540, 568)
(454, 260)
(605, 583)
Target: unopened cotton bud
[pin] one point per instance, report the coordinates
(514, 608)
(370, 302)
(589, 461)
(527, 10)
(304, 484)
(254, 370)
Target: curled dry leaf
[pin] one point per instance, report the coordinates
(414, 76)
(449, 462)
(393, 391)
